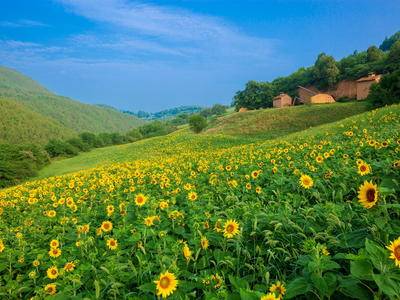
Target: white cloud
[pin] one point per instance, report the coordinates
(171, 30)
(22, 23)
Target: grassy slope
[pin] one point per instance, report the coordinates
(69, 113)
(274, 123)
(165, 145)
(19, 125)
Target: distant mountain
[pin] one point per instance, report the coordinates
(165, 114)
(62, 112)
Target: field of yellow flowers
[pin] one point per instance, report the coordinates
(316, 216)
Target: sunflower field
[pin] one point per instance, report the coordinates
(313, 216)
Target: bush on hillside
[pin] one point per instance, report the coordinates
(387, 91)
(19, 162)
(197, 123)
(60, 148)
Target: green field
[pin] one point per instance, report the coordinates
(274, 123)
(229, 130)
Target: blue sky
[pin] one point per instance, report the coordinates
(152, 54)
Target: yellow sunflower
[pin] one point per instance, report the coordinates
(192, 196)
(204, 243)
(140, 200)
(278, 289)
(166, 284)
(54, 244)
(52, 272)
(363, 168)
(368, 194)
(106, 226)
(69, 266)
(231, 228)
(306, 181)
(112, 244)
(2, 247)
(394, 248)
(50, 289)
(269, 296)
(55, 252)
(187, 253)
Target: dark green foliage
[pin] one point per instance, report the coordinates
(393, 60)
(325, 72)
(19, 162)
(60, 148)
(79, 144)
(255, 95)
(155, 128)
(134, 135)
(387, 91)
(374, 54)
(290, 84)
(197, 123)
(388, 42)
(215, 110)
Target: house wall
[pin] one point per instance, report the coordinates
(283, 101)
(306, 95)
(345, 88)
(363, 88)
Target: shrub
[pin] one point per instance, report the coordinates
(19, 162)
(197, 123)
(59, 148)
(387, 91)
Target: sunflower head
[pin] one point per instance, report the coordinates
(306, 181)
(368, 194)
(231, 228)
(106, 226)
(112, 244)
(140, 200)
(394, 248)
(52, 272)
(166, 284)
(50, 289)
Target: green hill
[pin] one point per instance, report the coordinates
(273, 123)
(72, 114)
(219, 137)
(20, 125)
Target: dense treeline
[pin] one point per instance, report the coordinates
(165, 114)
(324, 74)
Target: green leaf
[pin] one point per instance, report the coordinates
(351, 287)
(97, 288)
(249, 295)
(148, 287)
(361, 269)
(238, 283)
(377, 254)
(296, 287)
(387, 285)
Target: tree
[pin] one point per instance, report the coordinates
(325, 71)
(197, 123)
(255, 95)
(134, 135)
(387, 91)
(374, 54)
(393, 59)
(388, 42)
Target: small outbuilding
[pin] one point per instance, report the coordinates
(322, 99)
(364, 85)
(282, 100)
(243, 109)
